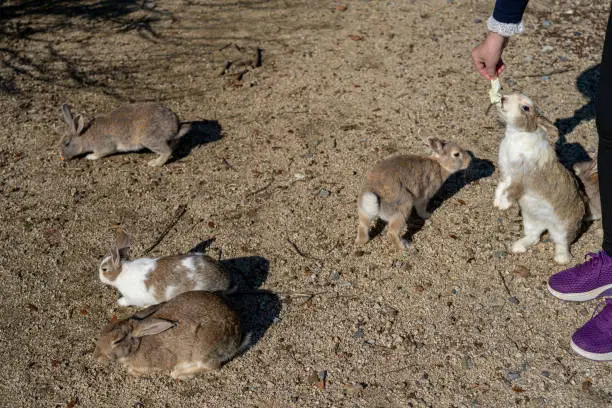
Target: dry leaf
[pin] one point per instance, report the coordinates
(355, 37)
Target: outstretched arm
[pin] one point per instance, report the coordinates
(506, 21)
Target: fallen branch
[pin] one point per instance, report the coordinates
(180, 211)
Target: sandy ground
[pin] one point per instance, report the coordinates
(269, 178)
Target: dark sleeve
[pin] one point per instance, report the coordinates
(509, 11)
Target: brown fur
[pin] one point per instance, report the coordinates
(192, 333)
(588, 175)
(401, 182)
(170, 272)
(127, 129)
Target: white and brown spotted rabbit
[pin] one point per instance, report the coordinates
(147, 281)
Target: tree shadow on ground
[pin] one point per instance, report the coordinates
(256, 308)
(586, 83)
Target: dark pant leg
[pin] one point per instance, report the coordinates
(603, 120)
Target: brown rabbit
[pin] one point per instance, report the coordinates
(398, 183)
(190, 334)
(127, 129)
(587, 173)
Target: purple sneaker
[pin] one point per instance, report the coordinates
(586, 281)
(594, 339)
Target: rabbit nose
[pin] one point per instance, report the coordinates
(503, 100)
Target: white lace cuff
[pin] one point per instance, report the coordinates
(504, 29)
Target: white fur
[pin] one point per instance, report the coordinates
(369, 204)
(189, 263)
(130, 282)
(170, 291)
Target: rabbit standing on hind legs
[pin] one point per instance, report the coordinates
(398, 183)
(128, 129)
(546, 192)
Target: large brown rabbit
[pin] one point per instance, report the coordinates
(397, 184)
(193, 333)
(127, 129)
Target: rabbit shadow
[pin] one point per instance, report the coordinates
(570, 154)
(586, 83)
(478, 169)
(257, 309)
(201, 132)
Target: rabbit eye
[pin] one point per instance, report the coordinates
(456, 154)
(526, 108)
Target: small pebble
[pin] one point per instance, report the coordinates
(522, 271)
(477, 21)
(500, 254)
(299, 176)
(358, 334)
(545, 78)
(467, 362)
(528, 58)
(324, 193)
(563, 59)
(454, 291)
(577, 33)
(334, 276)
(547, 23)
(514, 300)
(513, 375)
(546, 373)
(547, 48)
(353, 387)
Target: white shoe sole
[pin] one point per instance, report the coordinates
(589, 355)
(580, 296)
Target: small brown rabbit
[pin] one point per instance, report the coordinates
(398, 183)
(531, 175)
(193, 333)
(128, 129)
(587, 173)
(147, 281)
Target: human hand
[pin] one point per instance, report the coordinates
(487, 56)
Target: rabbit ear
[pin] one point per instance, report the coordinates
(68, 118)
(80, 124)
(123, 239)
(548, 126)
(436, 145)
(151, 326)
(144, 313)
(116, 257)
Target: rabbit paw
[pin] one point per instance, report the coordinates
(518, 247)
(123, 301)
(502, 202)
(92, 156)
(562, 258)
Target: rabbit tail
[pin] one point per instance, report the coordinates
(369, 204)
